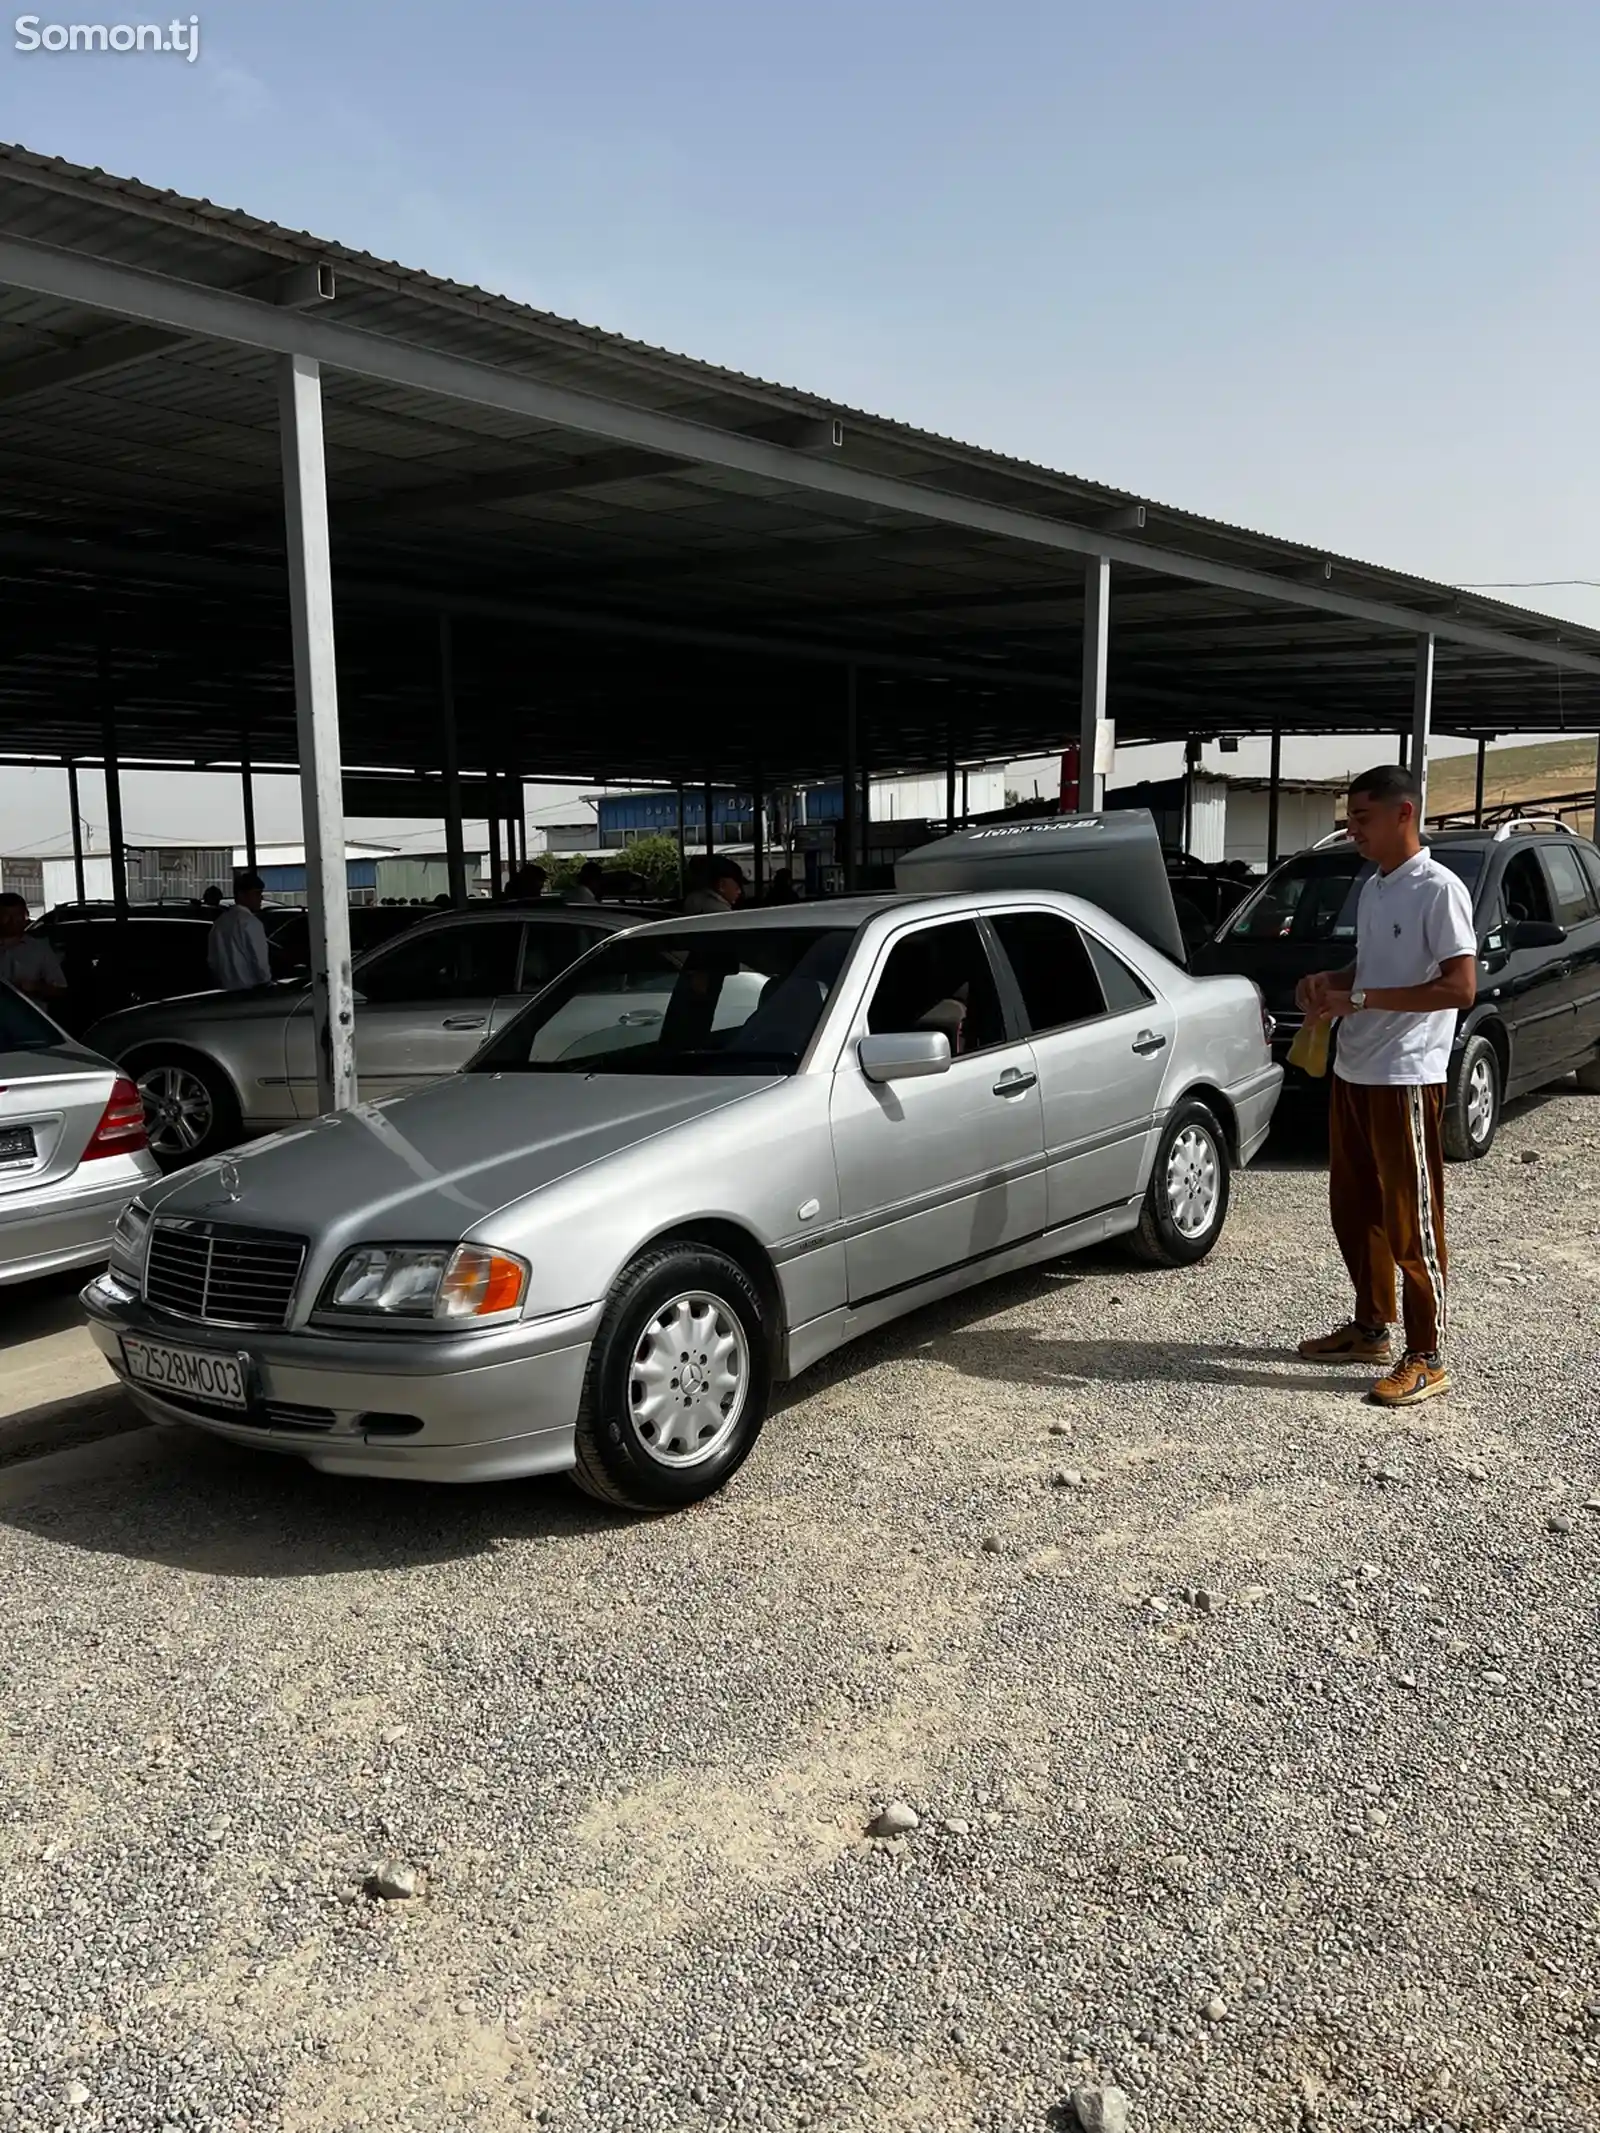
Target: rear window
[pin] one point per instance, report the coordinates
(22, 1027)
(1313, 898)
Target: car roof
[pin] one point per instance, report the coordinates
(854, 913)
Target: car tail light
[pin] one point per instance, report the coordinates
(1269, 1025)
(121, 1129)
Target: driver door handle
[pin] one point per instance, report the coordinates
(465, 1022)
(1015, 1081)
(1148, 1041)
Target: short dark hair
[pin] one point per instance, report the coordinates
(1388, 781)
(590, 866)
(10, 896)
(243, 884)
(724, 868)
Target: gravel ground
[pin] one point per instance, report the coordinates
(1248, 1781)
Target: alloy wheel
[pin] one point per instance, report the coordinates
(688, 1381)
(1480, 1100)
(1192, 1182)
(178, 1111)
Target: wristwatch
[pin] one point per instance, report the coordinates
(1358, 997)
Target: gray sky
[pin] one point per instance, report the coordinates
(1326, 272)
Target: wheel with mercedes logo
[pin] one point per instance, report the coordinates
(678, 1381)
(190, 1110)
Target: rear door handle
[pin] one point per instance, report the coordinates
(1015, 1081)
(465, 1022)
(1149, 1041)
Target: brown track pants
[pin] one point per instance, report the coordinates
(1386, 1195)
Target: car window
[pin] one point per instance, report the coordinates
(715, 999)
(22, 1027)
(447, 963)
(1313, 898)
(548, 949)
(1523, 888)
(1571, 886)
(1123, 987)
(939, 978)
(1591, 865)
(1055, 973)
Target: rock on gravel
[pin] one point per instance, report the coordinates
(394, 1882)
(895, 1820)
(1100, 2110)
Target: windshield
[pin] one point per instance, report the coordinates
(1313, 898)
(721, 999)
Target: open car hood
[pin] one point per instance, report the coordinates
(1113, 860)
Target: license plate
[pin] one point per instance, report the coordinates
(196, 1375)
(17, 1144)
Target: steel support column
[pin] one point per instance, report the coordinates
(711, 830)
(683, 841)
(758, 811)
(850, 794)
(864, 745)
(455, 844)
(1274, 795)
(77, 832)
(1422, 720)
(496, 882)
(1096, 644)
(113, 772)
(247, 801)
(316, 694)
(1477, 789)
(949, 777)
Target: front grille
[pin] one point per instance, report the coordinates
(221, 1276)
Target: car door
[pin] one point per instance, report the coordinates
(938, 1172)
(1102, 1041)
(1529, 985)
(1575, 909)
(423, 1007)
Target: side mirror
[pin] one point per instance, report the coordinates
(1537, 933)
(908, 1055)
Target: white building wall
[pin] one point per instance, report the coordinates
(1303, 817)
(923, 799)
(1208, 821)
(61, 882)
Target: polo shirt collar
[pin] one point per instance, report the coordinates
(1407, 867)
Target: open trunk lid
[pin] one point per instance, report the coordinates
(1113, 860)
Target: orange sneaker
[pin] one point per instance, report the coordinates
(1413, 1378)
(1349, 1344)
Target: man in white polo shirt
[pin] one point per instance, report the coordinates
(1416, 969)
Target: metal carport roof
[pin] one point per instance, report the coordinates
(657, 569)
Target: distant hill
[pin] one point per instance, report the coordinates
(1535, 773)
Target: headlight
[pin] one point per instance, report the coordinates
(427, 1281)
(129, 1237)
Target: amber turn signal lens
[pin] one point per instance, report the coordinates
(480, 1284)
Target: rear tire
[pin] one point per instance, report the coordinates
(1473, 1101)
(1186, 1205)
(678, 1384)
(190, 1109)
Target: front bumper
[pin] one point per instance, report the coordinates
(47, 1228)
(484, 1407)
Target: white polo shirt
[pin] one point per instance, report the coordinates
(1408, 925)
(236, 953)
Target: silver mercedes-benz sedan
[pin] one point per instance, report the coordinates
(72, 1146)
(707, 1155)
(215, 1067)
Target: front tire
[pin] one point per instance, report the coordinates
(1187, 1201)
(1472, 1102)
(678, 1384)
(190, 1110)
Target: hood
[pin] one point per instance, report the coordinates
(432, 1165)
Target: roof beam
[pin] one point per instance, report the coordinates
(98, 357)
(511, 486)
(222, 315)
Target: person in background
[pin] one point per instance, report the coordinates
(721, 888)
(237, 954)
(27, 960)
(212, 899)
(783, 890)
(1416, 969)
(590, 886)
(526, 885)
